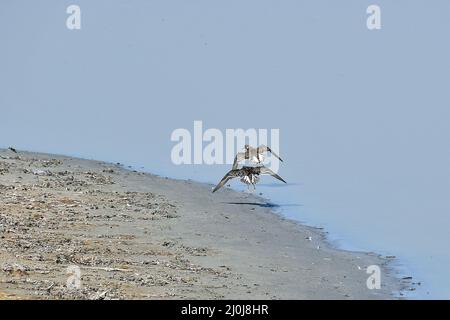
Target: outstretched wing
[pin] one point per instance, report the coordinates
(265, 170)
(230, 175)
(240, 156)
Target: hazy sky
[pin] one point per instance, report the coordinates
(363, 115)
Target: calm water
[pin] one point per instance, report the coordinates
(363, 115)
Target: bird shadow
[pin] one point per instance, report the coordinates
(264, 204)
(278, 185)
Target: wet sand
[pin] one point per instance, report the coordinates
(135, 235)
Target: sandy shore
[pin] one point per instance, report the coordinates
(138, 236)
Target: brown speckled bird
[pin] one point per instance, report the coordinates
(248, 175)
(255, 155)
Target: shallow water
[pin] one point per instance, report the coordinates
(363, 115)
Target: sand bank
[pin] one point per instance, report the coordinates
(135, 235)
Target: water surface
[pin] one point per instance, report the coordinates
(363, 115)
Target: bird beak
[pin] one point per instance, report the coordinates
(274, 154)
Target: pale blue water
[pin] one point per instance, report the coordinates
(363, 115)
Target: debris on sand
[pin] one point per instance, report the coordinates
(62, 215)
(81, 229)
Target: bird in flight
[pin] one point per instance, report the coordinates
(248, 175)
(255, 155)
(12, 149)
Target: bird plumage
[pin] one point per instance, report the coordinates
(248, 175)
(255, 155)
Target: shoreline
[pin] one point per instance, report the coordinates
(180, 240)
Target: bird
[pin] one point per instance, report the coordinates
(255, 155)
(12, 149)
(248, 175)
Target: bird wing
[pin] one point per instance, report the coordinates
(228, 176)
(265, 170)
(240, 156)
(261, 149)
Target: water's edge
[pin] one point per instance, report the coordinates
(394, 268)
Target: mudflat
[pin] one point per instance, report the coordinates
(82, 229)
